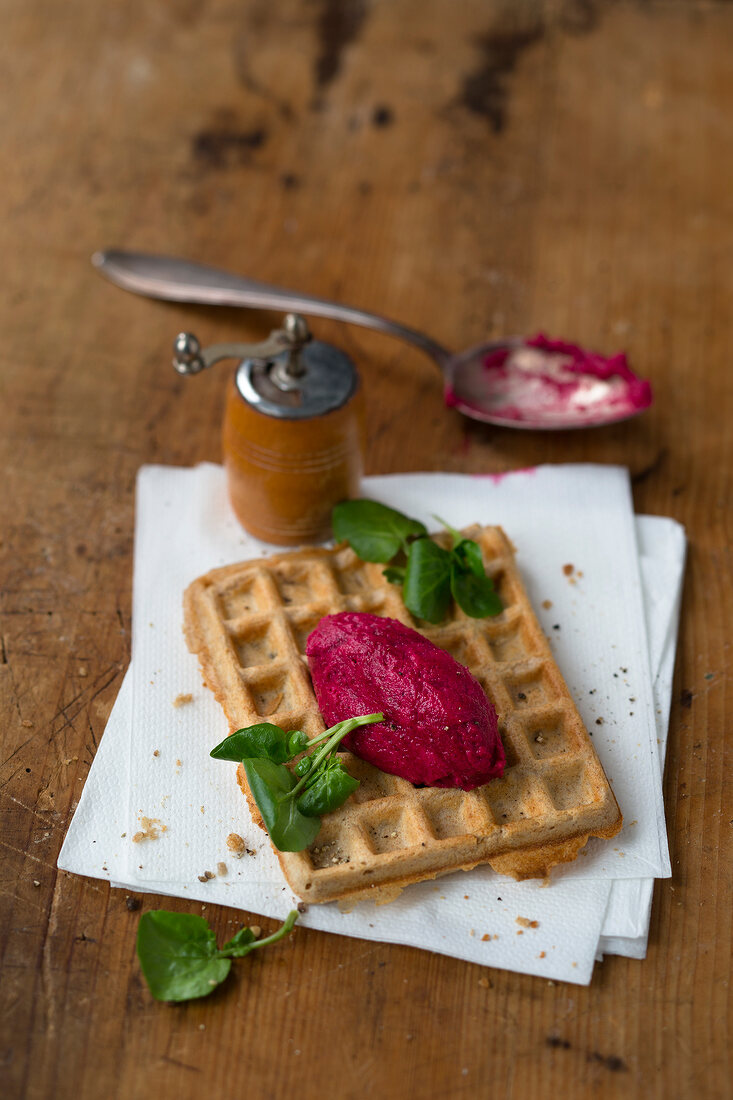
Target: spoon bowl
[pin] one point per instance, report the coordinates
(513, 385)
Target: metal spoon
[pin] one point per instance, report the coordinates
(530, 389)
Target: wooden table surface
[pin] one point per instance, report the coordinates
(471, 168)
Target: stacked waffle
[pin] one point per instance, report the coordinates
(249, 623)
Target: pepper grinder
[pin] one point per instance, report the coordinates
(293, 429)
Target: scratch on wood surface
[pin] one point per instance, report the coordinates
(80, 698)
(15, 753)
(24, 902)
(30, 809)
(27, 855)
(176, 1062)
(47, 973)
(352, 962)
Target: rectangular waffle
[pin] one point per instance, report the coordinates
(248, 624)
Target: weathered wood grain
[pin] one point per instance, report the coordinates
(471, 168)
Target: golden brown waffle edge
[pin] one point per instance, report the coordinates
(248, 623)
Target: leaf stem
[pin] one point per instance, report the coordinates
(337, 732)
(285, 927)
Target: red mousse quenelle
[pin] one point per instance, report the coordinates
(440, 730)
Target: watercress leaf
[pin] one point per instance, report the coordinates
(374, 531)
(329, 790)
(475, 595)
(269, 783)
(263, 740)
(303, 766)
(427, 580)
(293, 830)
(178, 956)
(395, 574)
(297, 741)
(468, 554)
(239, 944)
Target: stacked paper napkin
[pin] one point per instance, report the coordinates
(612, 624)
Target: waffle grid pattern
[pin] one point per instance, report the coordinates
(249, 624)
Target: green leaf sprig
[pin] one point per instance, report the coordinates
(179, 957)
(292, 801)
(430, 575)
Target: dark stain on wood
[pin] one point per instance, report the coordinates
(226, 148)
(243, 70)
(686, 697)
(610, 1061)
(485, 90)
(579, 16)
(338, 25)
(382, 116)
(650, 469)
(557, 1043)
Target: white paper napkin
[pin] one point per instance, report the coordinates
(184, 528)
(662, 557)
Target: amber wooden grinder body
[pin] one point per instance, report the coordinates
(286, 475)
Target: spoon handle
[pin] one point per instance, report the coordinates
(177, 280)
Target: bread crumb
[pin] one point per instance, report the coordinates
(540, 739)
(156, 752)
(527, 923)
(152, 827)
(27, 724)
(235, 844)
(255, 930)
(207, 876)
(485, 983)
(221, 868)
(179, 763)
(83, 671)
(542, 955)
(485, 937)
(36, 882)
(182, 699)
(547, 604)
(568, 570)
